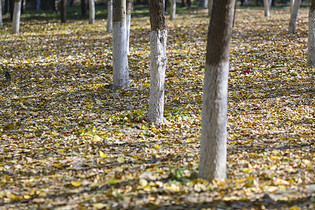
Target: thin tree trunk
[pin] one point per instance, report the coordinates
(158, 57)
(311, 36)
(92, 11)
(210, 4)
(1, 24)
(294, 14)
(83, 8)
(120, 58)
(128, 21)
(214, 113)
(63, 11)
(109, 15)
(203, 3)
(267, 8)
(56, 2)
(37, 5)
(173, 10)
(16, 17)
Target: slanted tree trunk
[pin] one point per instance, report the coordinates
(203, 3)
(294, 14)
(214, 113)
(173, 10)
(92, 12)
(210, 4)
(63, 11)
(1, 14)
(291, 5)
(128, 20)
(37, 5)
(120, 58)
(311, 36)
(109, 15)
(158, 37)
(267, 4)
(16, 17)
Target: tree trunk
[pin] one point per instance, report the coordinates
(158, 37)
(83, 8)
(16, 17)
(294, 15)
(11, 8)
(92, 11)
(203, 3)
(1, 14)
(173, 10)
(210, 4)
(120, 59)
(311, 36)
(291, 5)
(63, 11)
(37, 5)
(109, 15)
(214, 114)
(128, 20)
(267, 7)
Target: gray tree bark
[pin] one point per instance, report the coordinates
(294, 14)
(173, 10)
(16, 17)
(128, 21)
(311, 36)
(203, 3)
(214, 113)
(210, 3)
(37, 5)
(109, 16)
(1, 24)
(63, 11)
(92, 11)
(267, 4)
(158, 61)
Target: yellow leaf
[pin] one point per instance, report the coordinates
(293, 208)
(99, 205)
(97, 138)
(157, 146)
(76, 183)
(120, 160)
(246, 170)
(102, 154)
(143, 182)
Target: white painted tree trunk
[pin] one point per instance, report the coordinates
(38, 5)
(210, 3)
(157, 75)
(16, 17)
(1, 24)
(109, 16)
(267, 8)
(173, 10)
(294, 14)
(214, 119)
(128, 21)
(311, 36)
(92, 11)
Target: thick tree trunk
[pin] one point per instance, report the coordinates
(1, 14)
(120, 59)
(311, 36)
(294, 14)
(16, 17)
(214, 114)
(210, 4)
(203, 3)
(173, 10)
(291, 5)
(128, 21)
(109, 15)
(158, 57)
(92, 11)
(63, 11)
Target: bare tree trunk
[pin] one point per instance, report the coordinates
(294, 14)
(173, 10)
(83, 7)
(1, 24)
(63, 11)
(214, 113)
(37, 5)
(210, 4)
(16, 17)
(267, 7)
(291, 5)
(203, 3)
(311, 36)
(109, 15)
(56, 8)
(92, 11)
(128, 21)
(158, 39)
(120, 58)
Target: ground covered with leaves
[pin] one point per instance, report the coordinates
(69, 141)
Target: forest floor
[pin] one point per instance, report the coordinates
(68, 141)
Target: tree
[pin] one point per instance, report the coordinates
(158, 37)
(128, 20)
(267, 4)
(293, 17)
(109, 15)
(37, 5)
(16, 17)
(63, 11)
(311, 36)
(173, 10)
(120, 59)
(1, 13)
(83, 7)
(92, 11)
(214, 114)
(210, 3)
(291, 5)
(203, 3)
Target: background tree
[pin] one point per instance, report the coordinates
(16, 17)
(92, 11)
(38, 5)
(109, 15)
(311, 35)
(1, 13)
(203, 3)
(293, 17)
(63, 11)
(158, 37)
(210, 4)
(83, 7)
(120, 59)
(214, 114)
(128, 21)
(173, 10)
(267, 7)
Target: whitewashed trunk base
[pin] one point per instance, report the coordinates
(157, 75)
(311, 39)
(120, 59)
(214, 118)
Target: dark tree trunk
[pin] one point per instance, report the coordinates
(63, 11)
(83, 7)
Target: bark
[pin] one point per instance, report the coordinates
(109, 15)
(37, 5)
(83, 8)
(311, 36)
(158, 38)
(173, 10)
(120, 59)
(128, 21)
(92, 11)
(16, 17)
(291, 5)
(1, 24)
(294, 14)
(203, 3)
(63, 11)
(210, 4)
(267, 8)
(214, 114)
